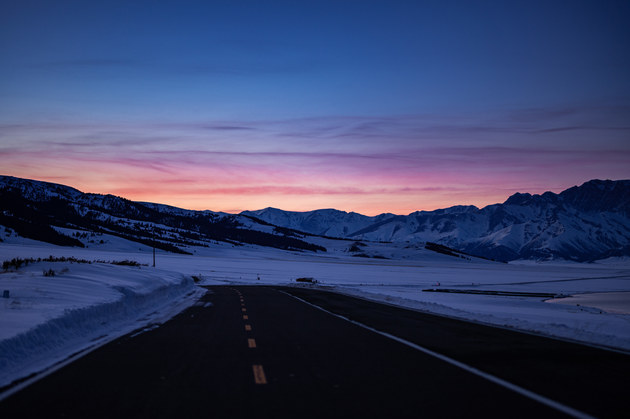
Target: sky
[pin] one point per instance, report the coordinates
(366, 106)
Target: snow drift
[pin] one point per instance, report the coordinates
(47, 318)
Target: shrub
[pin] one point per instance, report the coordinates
(125, 262)
(16, 263)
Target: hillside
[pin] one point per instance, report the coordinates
(41, 210)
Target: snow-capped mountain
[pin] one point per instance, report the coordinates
(582, 223)
(40, 210)
(324, 222)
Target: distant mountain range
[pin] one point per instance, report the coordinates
(583, 223)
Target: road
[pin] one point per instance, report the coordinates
(247, 352)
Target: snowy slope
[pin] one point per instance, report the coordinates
(37, 210)
(583, 223)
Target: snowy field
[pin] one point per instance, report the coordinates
(47, 318)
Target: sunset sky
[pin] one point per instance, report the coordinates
(366, 106)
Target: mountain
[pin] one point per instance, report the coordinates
(582, 223)
(41, 210)
(324, 222)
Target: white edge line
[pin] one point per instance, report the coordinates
(513, 387)
(595, 345)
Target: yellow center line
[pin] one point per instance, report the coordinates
(245, 317)
(251, 343)
(243, 309)
(259, 374)
(248, 327)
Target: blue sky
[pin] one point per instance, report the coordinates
(367, 79)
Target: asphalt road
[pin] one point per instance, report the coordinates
(260, 352)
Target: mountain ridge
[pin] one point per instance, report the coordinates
(582, 223)
(35, 209)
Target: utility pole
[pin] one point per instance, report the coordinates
(153, 246)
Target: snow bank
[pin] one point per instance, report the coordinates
(46, 319)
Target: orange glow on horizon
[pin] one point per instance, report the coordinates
(192, 167)
(205, 197)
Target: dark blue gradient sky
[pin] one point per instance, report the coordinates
(417, 104)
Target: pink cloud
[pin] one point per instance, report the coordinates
(370, 165)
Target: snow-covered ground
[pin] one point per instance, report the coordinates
(48, 318)
(45, 319)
